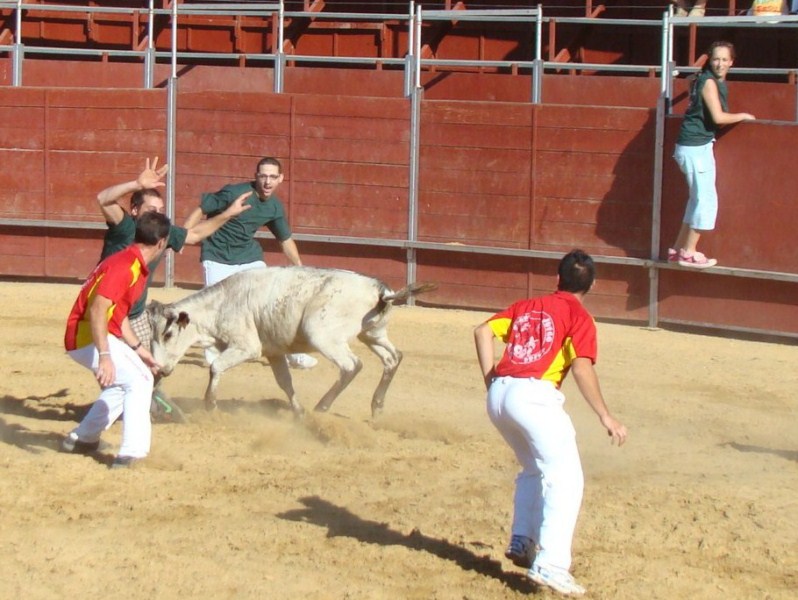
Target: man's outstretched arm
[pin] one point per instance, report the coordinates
(200, 229)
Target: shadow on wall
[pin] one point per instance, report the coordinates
(624, 216)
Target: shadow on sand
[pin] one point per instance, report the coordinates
(340, 522)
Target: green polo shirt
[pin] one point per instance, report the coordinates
(234, 242)
(120, 236)
(698, 128)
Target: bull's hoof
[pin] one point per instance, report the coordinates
(376, 411)
(210, 406)
(322, 408)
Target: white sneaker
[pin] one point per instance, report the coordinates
(557, 579)
(301, 361)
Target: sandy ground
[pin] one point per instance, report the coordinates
(702, 502)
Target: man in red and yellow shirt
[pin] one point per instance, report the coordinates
(545, 338)
(99, 337)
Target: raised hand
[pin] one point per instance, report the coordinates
(151, 177)
(238, 206)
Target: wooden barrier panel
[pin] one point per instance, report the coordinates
(549, 177)
(475, 173)
(756, 180)
(59, 147)
(594, 179)
(345, 163)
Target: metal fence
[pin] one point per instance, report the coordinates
(413, 65)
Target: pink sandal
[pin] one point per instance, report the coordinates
(695, 260)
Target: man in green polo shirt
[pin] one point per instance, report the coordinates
(233, 247)
(121, 233)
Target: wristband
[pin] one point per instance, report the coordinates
(104, 354)
(136, 347)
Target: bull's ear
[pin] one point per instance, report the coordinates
(155, 308)
(183, 320)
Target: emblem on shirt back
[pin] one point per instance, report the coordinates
(532, 337)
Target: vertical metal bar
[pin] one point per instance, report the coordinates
(149, 57)
(668, 72)
(279, 55)
(409, 78)
(537, 69)
(281, 26)
(418, 48)
(171, 153)
(656, 211)
(664, 52)
(19, 55)
(19, 49)
(18, 21)
(174, 39)
(410, 30)
(412, 192)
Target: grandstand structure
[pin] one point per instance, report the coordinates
(470, 143)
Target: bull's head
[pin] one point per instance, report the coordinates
(172, 335)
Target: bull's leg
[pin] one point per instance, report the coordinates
(282, 375)
(348, 365)
(228, 359)
(380, 345)
(210, 391)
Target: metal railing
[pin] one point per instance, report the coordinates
(413, 64)
(671, 69)
(414, 21)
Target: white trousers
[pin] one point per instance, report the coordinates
(130, 393)
(216, 272)
(548, 491)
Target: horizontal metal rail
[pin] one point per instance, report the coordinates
(268, 9)
(404, 244)
(741, 21)
(508, 15)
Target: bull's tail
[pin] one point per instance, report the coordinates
(414, 289)
(388, 297)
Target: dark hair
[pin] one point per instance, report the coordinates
(711, 49)
(151, 228)
(269, 160)
(577, 272)
(137, 199)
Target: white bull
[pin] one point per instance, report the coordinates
(276, 311)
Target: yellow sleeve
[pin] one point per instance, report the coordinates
(500, 328)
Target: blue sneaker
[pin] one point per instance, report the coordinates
(71, 444)
(521, 551)
(124, 462)
(557, 579)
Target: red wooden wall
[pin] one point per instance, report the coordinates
(345, 161)
(504, 174)
(58, 148)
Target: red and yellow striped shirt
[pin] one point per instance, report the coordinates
(121, 278)
(543, 336)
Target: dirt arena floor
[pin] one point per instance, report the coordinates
(702, 502)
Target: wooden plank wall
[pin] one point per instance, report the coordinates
(543, 178)
(58, 148)
(757, 211)
(345, 164)
(550, 177)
